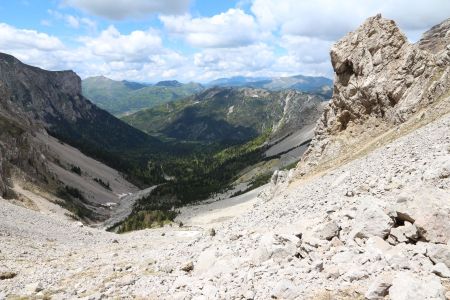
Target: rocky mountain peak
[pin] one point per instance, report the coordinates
(379, 77)
(436, 39)
(65, 81)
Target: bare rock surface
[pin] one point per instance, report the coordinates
(280, 247)
(381, 79)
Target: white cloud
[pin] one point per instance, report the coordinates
(278, 38)
(233, 28)
(23, 39)
(73, 21)
(123, 9)
(331, 19)
(307, 29)
(35, 48)
(111, 45)
(212, 63)
(131, 56)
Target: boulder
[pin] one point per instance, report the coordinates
(285, 289)
(327, 231)
(380, 79)
(371, 220)
(277, 247)
(439, 253)
(428, 209)
(407, 286)
(379, 288)
(441, 270)
(404, 234)
(377, 245)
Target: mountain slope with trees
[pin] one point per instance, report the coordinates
(124, 97)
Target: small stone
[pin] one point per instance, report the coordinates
(115, 241)
(349, 193)
(403, 198)
(235, 237)
(212, 232)
(379, 288)
(34, 287)
(79, 224)
(332, 272)
(285, 289)
(318, 265)
(328, 231)
(249, 295)
(336, 242)
(444, 172)
(166, 269)
(188, 267)
(7, 275)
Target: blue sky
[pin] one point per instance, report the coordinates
(195, 40)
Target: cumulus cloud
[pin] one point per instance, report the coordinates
(13, 38)
(135, 56)
(123, 9)
(111, 45)
(307, 29)
(233, 28)
(212, 63)
(330, 19)
(31, 46)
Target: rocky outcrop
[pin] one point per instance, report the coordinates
(381, 79)
(40, 94)
(18, 150)
(437, 39)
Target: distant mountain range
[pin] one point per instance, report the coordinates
(123, 97)
(228, 115)
(126, 97)
(309, 84)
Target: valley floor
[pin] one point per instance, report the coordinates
(317, 238)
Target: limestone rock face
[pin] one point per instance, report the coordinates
(380, 79)
(18, 149)
(437, 38)
(62, 89)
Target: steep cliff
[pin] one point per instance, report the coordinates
(380, 80)
(34, 102)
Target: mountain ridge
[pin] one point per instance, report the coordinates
(124, 97)
(34, 102)
(310, 84)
